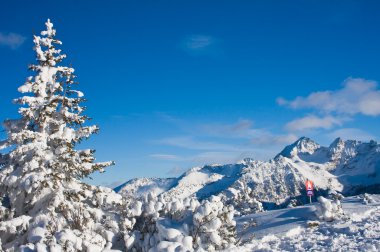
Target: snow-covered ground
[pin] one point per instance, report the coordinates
(299, 229)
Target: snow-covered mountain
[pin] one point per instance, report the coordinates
(144, 186)
(348, 166)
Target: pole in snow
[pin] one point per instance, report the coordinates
(309, 189)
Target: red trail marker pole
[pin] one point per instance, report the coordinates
(309, 189)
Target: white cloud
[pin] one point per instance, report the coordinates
(358, 96)
(241, 129)
(244, 129)
(228, 137)
(223, 142)
(189, 142)
(12, 40)
(313, 122)
(198, 42)
(213, 157)
(351, 134)
(176, 171)
(274, 140)
(164, 156)
(281, 101)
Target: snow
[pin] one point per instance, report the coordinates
(328, 210)
(142, 187)
(290, 229)
(47, 74)
(36, 234)
(10, 228)
(302, 147)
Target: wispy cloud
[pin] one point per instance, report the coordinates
(357, 96)
(189, 142)
(213, 142)
(12, 40)
(219, 157)
(274, 139)
(314, 122)
(244, 129)
(176, 171)
(351, 134)
(165, 156)
(241, 129)
(199, 44)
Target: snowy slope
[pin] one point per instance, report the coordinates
(280, 180)
(348, 166)
(206, 181)
(144, 186)
(362, 170)
(289, 229)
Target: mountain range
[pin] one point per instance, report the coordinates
(348, 167)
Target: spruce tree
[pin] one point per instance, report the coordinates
(40, 168)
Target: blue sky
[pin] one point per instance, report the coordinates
(175, 84)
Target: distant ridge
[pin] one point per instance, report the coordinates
(349, 167)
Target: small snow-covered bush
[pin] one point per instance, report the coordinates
(243, 200)
(368, 199)
(152, 224)
(178, 225)
(333, 195)
(214, 226)
(328, 210)
(313, 224)
(292, 203)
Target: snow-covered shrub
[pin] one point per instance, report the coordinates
(152, 224)
(47, 207)
(5, 212)
(328, 210)
(243, 200)
(313, 224)
(333, 195)
(178, 225)
(214, 226)
(292, 203)
(9, 229)
(368, 199)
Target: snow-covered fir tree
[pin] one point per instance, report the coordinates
(44, 204)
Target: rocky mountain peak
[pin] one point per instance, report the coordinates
(304, 145)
